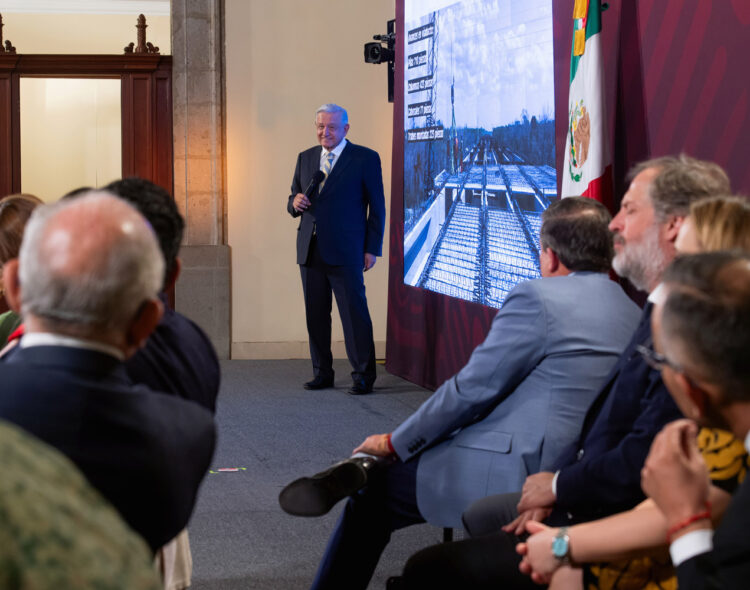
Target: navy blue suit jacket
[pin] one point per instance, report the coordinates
(348, 214)
(601, 473)
(145, 452)
(179, 359)
(727, 567)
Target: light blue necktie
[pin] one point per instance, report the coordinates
(327, 167)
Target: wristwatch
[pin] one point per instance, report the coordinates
(561, 546)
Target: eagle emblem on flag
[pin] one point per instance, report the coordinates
(579, 132)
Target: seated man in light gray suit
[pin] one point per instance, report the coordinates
(518, 402)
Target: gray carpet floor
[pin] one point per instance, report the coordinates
(275, 431)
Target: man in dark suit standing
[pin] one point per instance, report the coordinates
(701, 338)
(339, 236)
(86, 282)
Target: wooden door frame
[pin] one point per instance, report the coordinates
(146, 109)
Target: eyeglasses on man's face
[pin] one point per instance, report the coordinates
(656, 360)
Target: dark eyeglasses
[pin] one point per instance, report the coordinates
(656, 360)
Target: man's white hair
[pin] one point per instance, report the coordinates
(88, 264)
(333, 108)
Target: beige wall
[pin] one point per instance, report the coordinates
(283, 59)
(71, 135)
(81, 33)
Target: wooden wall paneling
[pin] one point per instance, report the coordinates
(162, 129)
(15, 125)
(126, 118)
(137, 126)
(81, 66)
(6, 141)
(9, 114)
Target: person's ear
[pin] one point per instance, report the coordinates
(144, 323)
(553, 261)
(672, 227)
(12, 285)
(173, 275)
(695, 393)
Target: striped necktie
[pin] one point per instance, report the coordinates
(327, 167)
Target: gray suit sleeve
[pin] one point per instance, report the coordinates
(514, 345)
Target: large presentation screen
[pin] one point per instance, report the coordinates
(479, 143)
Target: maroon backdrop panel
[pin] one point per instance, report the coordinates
(676, 80)
(689, 90)
(429, 336)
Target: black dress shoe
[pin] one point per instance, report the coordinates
(319, 383)
(360, 387)
(316, 495)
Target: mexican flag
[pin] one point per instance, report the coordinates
(588, 165)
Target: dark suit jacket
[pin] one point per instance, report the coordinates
(179, 359)
(601, 473)
(145, 452)
(348, 214)
(727, 567)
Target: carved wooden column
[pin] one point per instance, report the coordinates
(203, 291)
(10, 144)
(10, 155)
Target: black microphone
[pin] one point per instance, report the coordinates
(316, 179)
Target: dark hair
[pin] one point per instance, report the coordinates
(680, 181)
(15, 211)
(707, 315)
(77, 192)
(576, 229)
(159, 209)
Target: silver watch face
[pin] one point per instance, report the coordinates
(560, 546)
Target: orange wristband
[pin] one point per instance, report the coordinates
(706, 514)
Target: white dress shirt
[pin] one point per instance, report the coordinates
(47, 339)
(336, 153)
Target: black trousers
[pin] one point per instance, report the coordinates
(487, 560)
(346, 283)
(483, 563)
(387, 503)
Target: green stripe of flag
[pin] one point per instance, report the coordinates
(593, 26)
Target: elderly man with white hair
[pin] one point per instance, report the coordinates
(87, 281)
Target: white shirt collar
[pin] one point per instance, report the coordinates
(658, 294)
(335, 151)
(747, 441)
(48, 339)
